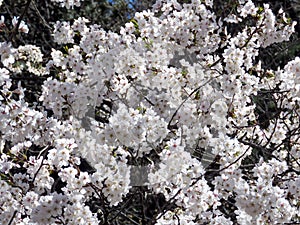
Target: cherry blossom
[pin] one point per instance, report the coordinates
(174, 93)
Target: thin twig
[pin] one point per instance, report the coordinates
(41, 17)
(12, 218)
(122, 208)
(131, 220)
(193, 92)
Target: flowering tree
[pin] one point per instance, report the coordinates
(173, 120)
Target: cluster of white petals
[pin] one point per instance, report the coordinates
(174, 82)
(68, 3)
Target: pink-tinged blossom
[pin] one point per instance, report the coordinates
(175, 90)
(22, 25)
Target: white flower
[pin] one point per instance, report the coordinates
(7, 53)
(2, 23)
(22, 26)
(172, 89)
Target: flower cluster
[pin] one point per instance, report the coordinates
(68, 3)
(176, 93)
